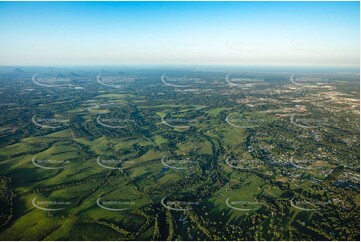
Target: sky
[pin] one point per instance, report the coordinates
(177, 33)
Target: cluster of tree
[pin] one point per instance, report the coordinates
(6, 201)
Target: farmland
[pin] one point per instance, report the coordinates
(137, 154)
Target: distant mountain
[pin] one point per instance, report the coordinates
(60, 75)
(18, 70)
(73, 74)
(111, 72)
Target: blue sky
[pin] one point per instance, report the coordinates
(224, 33)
